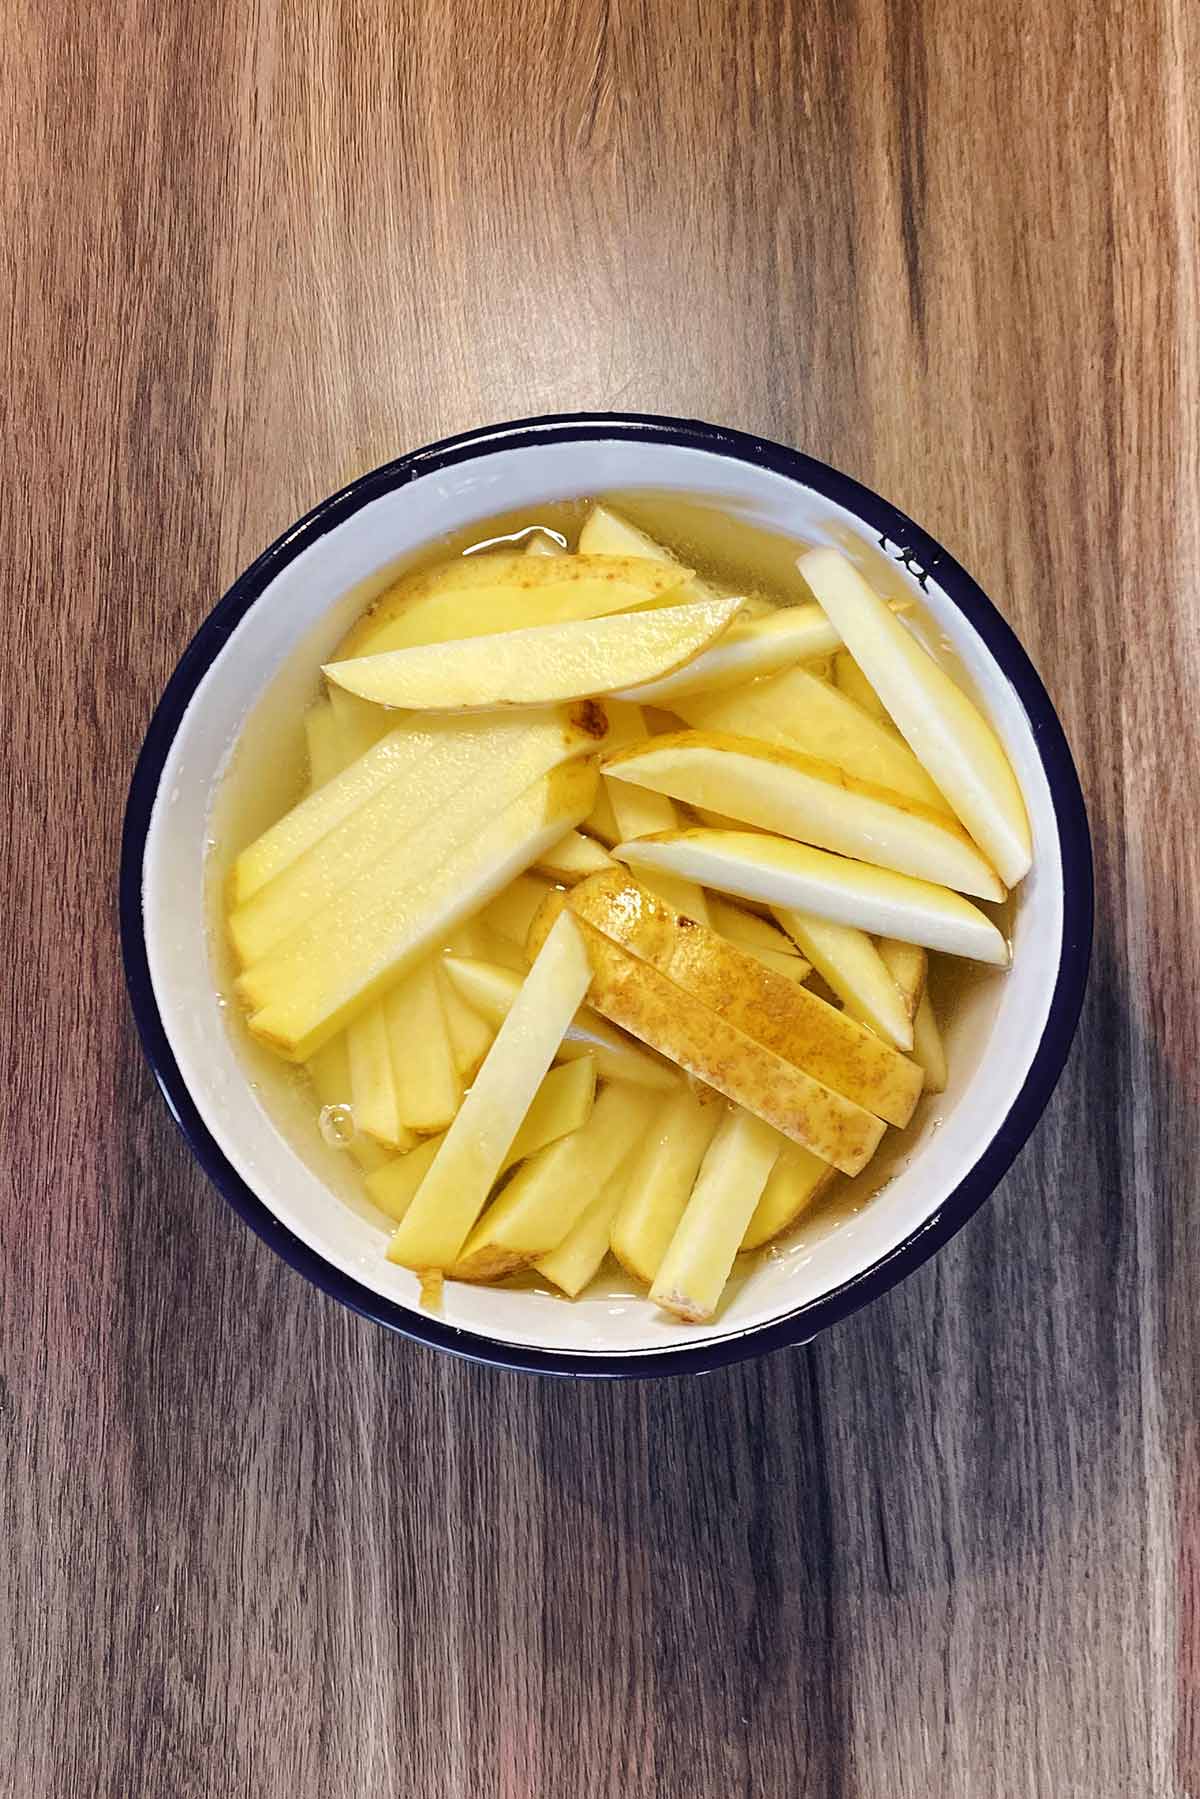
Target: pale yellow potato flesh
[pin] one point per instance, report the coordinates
(492, 988)
(641, 813)
(428, 1086)
(798, 710)
(394, 815)
(757, 936)
(476, 596)
(470, 1033)
(562, 1103)
(781, 1015)
(606, 533)
(778, 872)
(795, 1182)
(539, 664)
(360, 724)
(340, 794)
(929, 1051)
(577, 1259)
(636, 996)
(661, 1179)
(801, 797)
(697, 1264)
(372, 1085)
(908, 965)
(323, 741)
(856, 687)
(550, 1192)
(848, 962)
(329, 1073)
(513, 909)
(332, 970)
(601, 821)
(750, 648)
(572, 859)
(540, 544)
(946, 731)
(458, 1183)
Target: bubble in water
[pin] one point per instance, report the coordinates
(337, 1126)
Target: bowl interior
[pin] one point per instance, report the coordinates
(255, 689)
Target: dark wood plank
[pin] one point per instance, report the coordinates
(250, 1544)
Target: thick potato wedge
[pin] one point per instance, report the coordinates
(573, 858)
(549, 1194)
(784, 1017)
(908, 965)
(605, 533)
(949, 735)
(661, 1179)
(331, 970)
(750, 648)
(538, 664)
(800, 796)
(475, 596)
(491, 989)
(929, 1051)
(778, 872)
(798, 710)
(796, 1180)
(692, 1274)
(456, 1188)
(426, 1080)
(848, 962)
(636, 996)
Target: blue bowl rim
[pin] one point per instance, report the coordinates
(909, 543)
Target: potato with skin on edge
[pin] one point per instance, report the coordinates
(700, 1256)
(750, 648)
(537, 665)
(636, 996)
(801, 797)
(764, 1006)
(456, 1188)
(944, 728)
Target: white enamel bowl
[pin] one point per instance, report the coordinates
(256, 654)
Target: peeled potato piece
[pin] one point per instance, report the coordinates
(692, 1275)
(850, 964)
(661, 1180)
(793, 1185)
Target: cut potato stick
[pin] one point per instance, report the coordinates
(693, 1273)
(849, 963)
(548, 1195)
(797, 710)
(661, 1179)
(491, 989)
(321, 734)
(456, 1188)
(949, 735)
(371, 1080)
(606, 533)
(538, 664)
(796, 1180)
(334, 969)
(908, 965)
(329, 1073)
(928, 1049)
(539, 543)
(469, 1031)
(800, 796)
(642, 813)
(856, 687)
(601, 821)
(778, 872)
(562, 1104)
(636, 996)
(360, 724)
(513, 909)
(762, 1005)
(752, 647)
(573, 858)
(757, 936)
(481, 595)
(399, 753)
(427, 1084)
(578, 1257)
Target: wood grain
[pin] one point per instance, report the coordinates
(251, 1545)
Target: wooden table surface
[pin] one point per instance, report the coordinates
(251, 1545)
